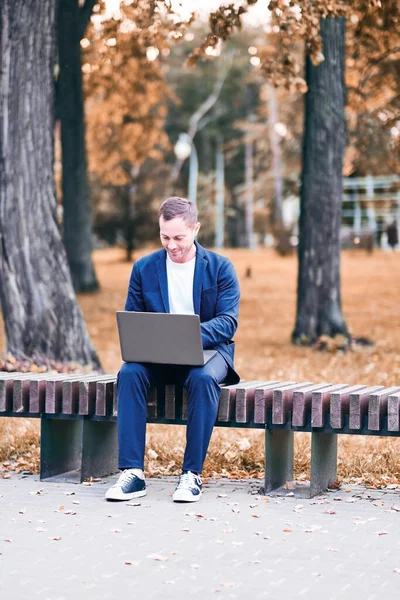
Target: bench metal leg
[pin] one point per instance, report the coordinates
(60, 449)
(278, 458)
(99, 449)
(323, 461)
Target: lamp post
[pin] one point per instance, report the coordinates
(219, 196)
(184, 148)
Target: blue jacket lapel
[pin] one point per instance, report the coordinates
(201, 263)
(163, 280)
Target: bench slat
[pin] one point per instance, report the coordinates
(37, 396)
(358, 405)
(339, 405)
(152, 403)
(377, 407)
(6, 393)
(320, 403)
(394, 412)
(87, 392)
(244, 400)
(302, 403)
(263, 401)
(282, 402)
(70, 397)
(104, 397)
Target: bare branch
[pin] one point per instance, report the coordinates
(197, 117)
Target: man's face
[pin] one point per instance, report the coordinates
(177, 237)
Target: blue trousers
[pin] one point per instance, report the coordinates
(202, 385)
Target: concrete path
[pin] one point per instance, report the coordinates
(63, 541)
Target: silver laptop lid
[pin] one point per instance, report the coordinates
(162, 338)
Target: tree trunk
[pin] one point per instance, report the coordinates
(318, 293)
(70, 109)
(41, 315)
(129, 222)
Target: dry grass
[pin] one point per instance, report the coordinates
(370, 292)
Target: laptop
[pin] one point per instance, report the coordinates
(161, 338)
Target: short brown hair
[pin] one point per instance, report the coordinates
(179, 207)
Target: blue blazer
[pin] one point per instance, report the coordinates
(216, 296)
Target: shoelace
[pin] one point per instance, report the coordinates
(125, 477)
(187, 480)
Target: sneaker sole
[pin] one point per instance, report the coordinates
(190, 498)
(123, 497)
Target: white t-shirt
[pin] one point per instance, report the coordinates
(180, 286)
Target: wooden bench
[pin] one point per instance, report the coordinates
(79, 435)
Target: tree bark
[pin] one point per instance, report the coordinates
(318, 293)
(41, 315)
(70, 109)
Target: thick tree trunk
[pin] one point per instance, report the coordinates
(318, 294)
(76, 202)
(41, 315)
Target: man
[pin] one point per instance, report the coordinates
(181, 278)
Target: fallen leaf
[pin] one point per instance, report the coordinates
(288, 486)
(194, 566)
(186, 529)
(133, 563)
(287, 530)
(69, 493)
(329, 511)
(396, 570)
(256, 516)
(382, 532)
(158, 557)
(40, 529)
(395, 508)
(378, 503)
(222, 496)
(55, 538)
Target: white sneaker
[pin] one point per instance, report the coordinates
(128, 486)
(189, 488)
